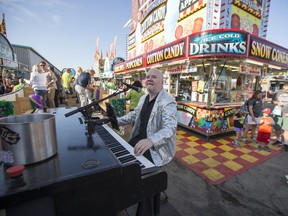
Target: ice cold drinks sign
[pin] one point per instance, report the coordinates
(211, 43)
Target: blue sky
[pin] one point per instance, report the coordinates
(65, 31)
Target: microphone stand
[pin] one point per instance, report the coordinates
(88, 115)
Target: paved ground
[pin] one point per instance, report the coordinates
(260, 191)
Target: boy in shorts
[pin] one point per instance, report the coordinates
(265, 129)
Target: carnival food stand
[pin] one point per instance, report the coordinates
(213, 55)
(10, 69)
(212, 73)
(220, 79)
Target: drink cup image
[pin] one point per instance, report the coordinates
(44, 109)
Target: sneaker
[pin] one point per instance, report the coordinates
(277, 143)
(243, 140)
(253, 139)
(267, 149)
(260, 147)
(237, 145)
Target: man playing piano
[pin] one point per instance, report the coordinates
(154, 131)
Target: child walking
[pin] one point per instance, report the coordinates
(265, 130)
(239, 118)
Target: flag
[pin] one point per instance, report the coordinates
(3, 26)
(97, 54)
(114, 44)
(96, 58)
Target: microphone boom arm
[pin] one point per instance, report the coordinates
(88, 117)
(83, 109)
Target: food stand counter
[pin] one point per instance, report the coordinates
(206, 121)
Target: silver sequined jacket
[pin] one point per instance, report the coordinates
(161, 128)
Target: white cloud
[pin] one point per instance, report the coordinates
(54, 3)
(56, 19)
(27, 11)
(19, 8)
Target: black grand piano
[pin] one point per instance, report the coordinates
(90, 175)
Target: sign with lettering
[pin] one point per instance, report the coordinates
(6, 50)
(185, 108)
(9, 136)
(119, 68)
(229, 112)
(9, 63)
(153, 23)
(245, 69)
(253, 7)
(269, 52)
(135, 63)
(172, 51)
(131, 41)
(218, 43)
(177, 69)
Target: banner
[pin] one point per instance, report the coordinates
(173, 51)
(218, 43)
(135, 63)
(3, 26)
(269, 52)
(6, 50)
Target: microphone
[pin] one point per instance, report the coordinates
(138, 89)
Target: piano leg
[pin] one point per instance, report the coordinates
(158, 201)
(157, 204)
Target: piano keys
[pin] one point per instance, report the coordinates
(122, 150)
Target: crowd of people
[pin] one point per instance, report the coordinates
(256, 117)
(45, 83)
(9, 83)
(50, 87)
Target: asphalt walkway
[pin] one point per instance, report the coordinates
(259, 191)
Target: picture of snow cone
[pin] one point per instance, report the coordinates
(197, 27)
(235, 21)
(179, 32)
(255, 30)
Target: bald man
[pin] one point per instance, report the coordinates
(154, 132)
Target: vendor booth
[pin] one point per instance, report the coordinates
(10, 70)
(212, 53)
(212, 73)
